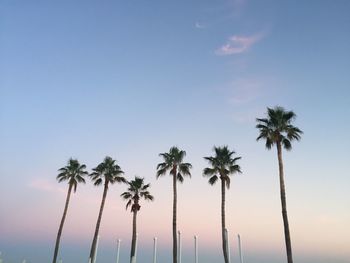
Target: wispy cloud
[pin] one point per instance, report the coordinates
(239, 44)
(245, 90)
(199, 25)
(46, 186)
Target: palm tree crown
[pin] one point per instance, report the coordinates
(173, 161)
(277, 128)
(74, 173)
(222, 165)
(137, 189)
(108, 171)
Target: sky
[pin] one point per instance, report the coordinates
(130, 79)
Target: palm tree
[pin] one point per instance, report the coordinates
(277, 129)
(137, 190)
(173, 162)
(74, 173)
(221, 166)
(107, 172)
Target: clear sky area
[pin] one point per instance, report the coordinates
(130, 79)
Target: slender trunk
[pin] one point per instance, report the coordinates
(223, 224)
(61, 224)
(97, 229)
(133, 241)
(284, 205)
(174, 220)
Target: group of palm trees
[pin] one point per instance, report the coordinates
(276, 129)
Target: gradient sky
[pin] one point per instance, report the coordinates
(130, 79)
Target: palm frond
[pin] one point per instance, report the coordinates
(212, 180)
(286, 144)
(98, 182)
(227, 181)
(209, 171)
(179, 177)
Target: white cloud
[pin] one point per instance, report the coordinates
(239, 44)
(46, 186)
(245, 90)
(199, 25)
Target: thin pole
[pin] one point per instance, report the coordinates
(154, 250)
(98, 239)
(195, 249)
(118, 249)
(89, 260)
(240, 249)
(179, 247)
(227, 245)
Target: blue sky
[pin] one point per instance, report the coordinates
(86, 79)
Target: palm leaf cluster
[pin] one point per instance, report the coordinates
(137, 189)
(108, 172)
(173, 162)
(278, 128)
(74, 173)
(221, 166)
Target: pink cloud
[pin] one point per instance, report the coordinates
(44, 185)
(238, 44)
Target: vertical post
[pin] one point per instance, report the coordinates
(154, 250)
(179, 247)
(89, 260)
(195, 249)
(227, 245)
(240, 249)
(118, 249)
(98, 239)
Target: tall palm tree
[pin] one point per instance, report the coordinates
(173, 162)
(137, 190)
(74, 173)
(278, 130)
(107, 172)
(222, 164)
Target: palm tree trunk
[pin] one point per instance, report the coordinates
(61, 224)
(174, 220)
(223, 224)
(97, 229)
(284, 205)
(133, 242)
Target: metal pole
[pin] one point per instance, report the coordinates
(195, 249)
(154, 250)
(179, 247)
(227, 245)
(240, 249)
(89, 260)
(118, 249)
(98, 239)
